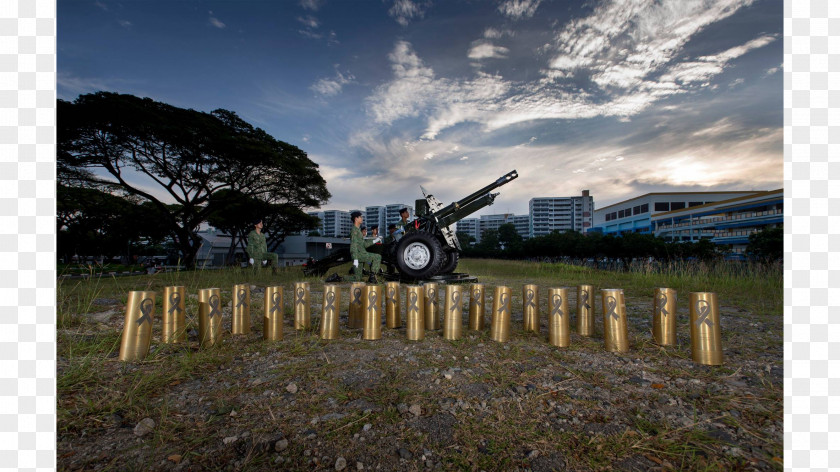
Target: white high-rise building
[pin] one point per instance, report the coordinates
(334, 223)
(469, 226)
(549, 214)
(375, 216)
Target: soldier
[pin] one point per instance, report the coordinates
(358, 251)
(258, 250)
(374, 232)
(391, 229)
(401, 224)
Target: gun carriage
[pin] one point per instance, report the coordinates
(428, 247)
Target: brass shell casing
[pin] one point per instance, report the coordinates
(430, 306)
(137, 329)
(453, 318)
(209, 317)
(586, 310)
(615, 320)
(174, 315)
(531, 308)
(329, 312)
(665, 316)
(372, 306)
(241, 313)
(354, 310)
(415, 323)
(392, 305)
(559, 330)
(303, 317)
(477, 307)
(273, 316)
(500, 326)
(704, 319)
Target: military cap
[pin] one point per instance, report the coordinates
(363, 227)
(392, 226)
(355, 215)
(403, 210)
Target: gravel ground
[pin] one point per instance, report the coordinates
(393, 404)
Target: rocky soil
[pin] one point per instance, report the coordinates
(393, 404)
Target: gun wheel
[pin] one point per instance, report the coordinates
(418, 255)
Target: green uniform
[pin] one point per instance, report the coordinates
(258, 250)
(358, 252)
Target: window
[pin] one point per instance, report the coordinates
(644, 208)
(677, 205)
(694, 204)
(637, 210)
(661, 206)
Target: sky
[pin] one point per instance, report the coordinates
(619, 97)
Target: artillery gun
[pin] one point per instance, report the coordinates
(428, 248)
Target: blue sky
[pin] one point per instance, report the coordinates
(621, 97)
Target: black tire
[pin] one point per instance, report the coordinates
(451, 263)
(418, 255)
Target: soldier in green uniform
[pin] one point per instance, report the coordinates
(258, 249)
(390, 238)
(358, 251)
(400, 232)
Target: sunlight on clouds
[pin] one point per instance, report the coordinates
(405, 10)
(486, 50)
(332, 86)
(215, 21)
(519, 9)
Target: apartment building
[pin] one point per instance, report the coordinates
(547, 214)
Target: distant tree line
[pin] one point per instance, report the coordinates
(507, 243)
(132, 170)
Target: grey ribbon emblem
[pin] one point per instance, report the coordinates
(371, 302)
(276, 299)
(330, 301)
(456, 301)
(412, 299)
(557, 305)
(175, 303)
(477, 298)
(611, 305)
(529, 303)
(503, 300)
(391, 297)
(432, 294)
(663, 302)
(301, 294)
(357, 296)
(703, 312)
(214, 303)
(584, 298)
(241, 297)
(146, 307)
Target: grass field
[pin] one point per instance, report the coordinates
(470, 404)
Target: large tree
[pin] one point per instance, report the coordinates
(167, 155)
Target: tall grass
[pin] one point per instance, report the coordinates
(751, 286)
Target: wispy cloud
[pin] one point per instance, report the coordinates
(215, 21)
(309, 21)
(486, 50)
(519, 9)
(630, 51)
(313, 5)
(329, 87)
(406, 10)
(124, 23)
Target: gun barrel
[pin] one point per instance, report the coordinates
(455, 206)
(467, 210)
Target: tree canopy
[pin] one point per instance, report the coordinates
(179, 159)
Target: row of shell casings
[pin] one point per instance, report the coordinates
(140, 307)
(422, 313)
(704, 319)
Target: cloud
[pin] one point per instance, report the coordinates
(313, 5)
(519, 9)
(309, 21)
(631, 52)
(101, 5)
(215, 21)
(124, 23)
(332, 86)
(485, 50)
(405, 10)
(493, 33)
